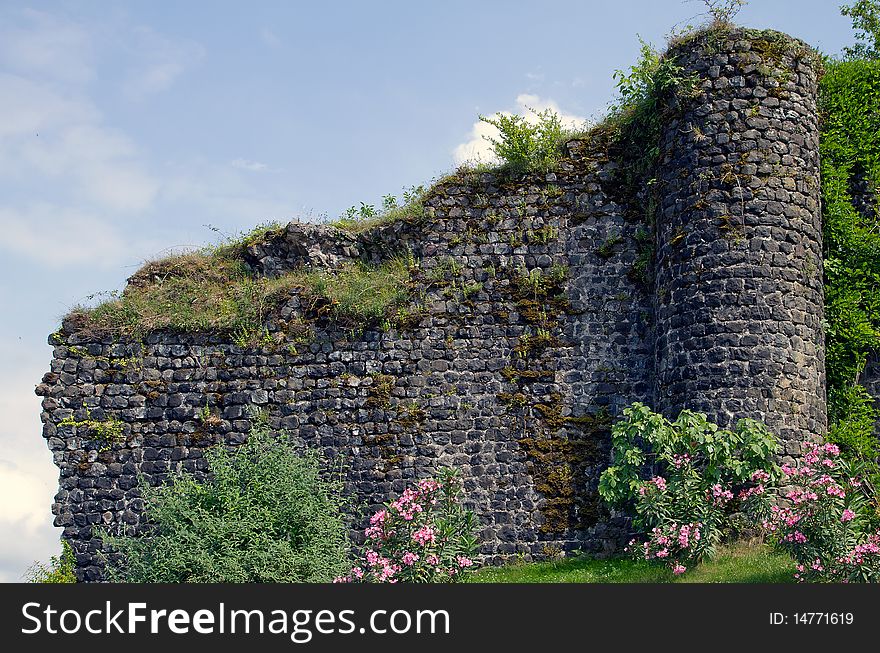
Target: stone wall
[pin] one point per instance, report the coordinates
(540, 321)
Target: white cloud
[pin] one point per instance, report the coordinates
(47, 46)
(101, 163)
(225, 192)
(478, 148)
(26, 107)
(161, 62)
(251, 166)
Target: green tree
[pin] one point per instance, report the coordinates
(865, 15)
(266, 514)
(59, 569)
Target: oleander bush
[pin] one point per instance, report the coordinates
(682, 481)
(822, 521)
(424, 536)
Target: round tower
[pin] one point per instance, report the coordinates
(739, 299)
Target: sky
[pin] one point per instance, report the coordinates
(130, 130)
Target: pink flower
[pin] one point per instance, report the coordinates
(410, 558)
(679, 569)
(424, 535)
(835, 491)
(428, 485)
(464, 562)
(660, 482)
(684, 536)
(760, 476)
(797, 536)
(848, 515)
(720, 496)
(374, 533)
(342, 579)
(432, 560)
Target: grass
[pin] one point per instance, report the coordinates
(737, 563)
(214, 291)
(359, 294)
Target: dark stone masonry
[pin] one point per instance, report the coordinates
(549, 303)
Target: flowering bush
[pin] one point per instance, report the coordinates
(683, 479)
(424, 536)
(823, 525)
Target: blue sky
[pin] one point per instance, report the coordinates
(126, 128)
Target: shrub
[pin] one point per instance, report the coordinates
(266, 514)
(683, 479)
(527, 146)
(59, 570)
(825, 524)
(425, 536)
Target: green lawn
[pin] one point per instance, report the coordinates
(738, 563)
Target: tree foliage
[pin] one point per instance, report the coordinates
(266, 514)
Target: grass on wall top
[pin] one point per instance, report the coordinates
(217, 292)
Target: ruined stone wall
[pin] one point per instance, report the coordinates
(540, 320)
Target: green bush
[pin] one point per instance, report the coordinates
(850, 155)
(526, 146)
(59, 570)
(266, 515)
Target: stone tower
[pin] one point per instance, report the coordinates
(739, 300)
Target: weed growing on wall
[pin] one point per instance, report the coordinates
(360, 218)
(217, 292)
(722, 12)
(527, 145)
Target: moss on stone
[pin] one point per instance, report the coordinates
(560, 464)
